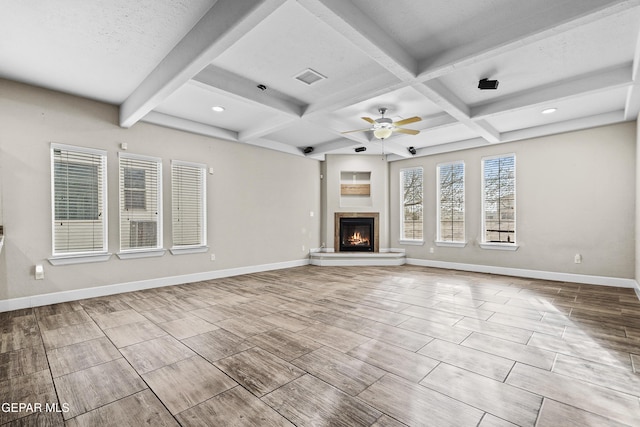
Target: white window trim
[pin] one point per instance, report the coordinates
(496, 245)
(500, 246)
(411, 242)
(181, 250)
(403, 240)
(451, 243)
(141, 253)
(147, 252)
(89, 256)
(184, 250)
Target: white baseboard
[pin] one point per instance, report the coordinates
(79, 294)
(65, 296)
(531, 274)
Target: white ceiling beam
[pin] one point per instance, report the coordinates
(357, 28)
(437, 121)
(336, 144)
(174, 122)
(632, 103)
(527, 31)
(271, 126)
(376, 86)
(222, 81)
(218, 80)
(349, 21)
(445, 148)
(451, 104)
(223, 25)
(275, 145)
(565, 126)
(529, 133)
(594, 82)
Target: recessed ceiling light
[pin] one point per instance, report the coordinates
(218, 108)
(549, 111)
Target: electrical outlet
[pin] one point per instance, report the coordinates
(431, 250)
(578, 259)
(213, 257)
(303, 248)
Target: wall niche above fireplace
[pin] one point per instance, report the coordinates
(356, 232)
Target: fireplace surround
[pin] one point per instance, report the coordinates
(356, 232)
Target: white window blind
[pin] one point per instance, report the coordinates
(451, 202)
(411, 222)
(79, 200)
(188, 204)
(140, 202)
(499, 199)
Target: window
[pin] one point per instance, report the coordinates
(451, 202)
(188, 206)
(140, 203)
(411, 222)
(79, 201)
(499, 199)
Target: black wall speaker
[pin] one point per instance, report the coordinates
(485, 84)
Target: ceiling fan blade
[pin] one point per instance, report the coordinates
(368, 119)
(357, 130)
(407, 121)
(407, 131)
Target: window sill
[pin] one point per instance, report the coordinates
(412, 242)
(500, 246)
(79, 259)
(446, 244)
(189, 250)
(148, 253)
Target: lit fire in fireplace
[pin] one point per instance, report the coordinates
(356, 239)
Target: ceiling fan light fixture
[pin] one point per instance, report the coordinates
(382, 133)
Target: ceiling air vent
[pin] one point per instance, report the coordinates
(309, 77)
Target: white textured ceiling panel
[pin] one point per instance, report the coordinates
(168, 62)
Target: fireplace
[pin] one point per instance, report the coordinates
(356, 232)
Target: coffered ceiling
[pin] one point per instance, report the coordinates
(169, 62)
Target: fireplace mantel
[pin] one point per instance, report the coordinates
(376, 227)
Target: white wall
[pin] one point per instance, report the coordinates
(258, 200)
(575, 195)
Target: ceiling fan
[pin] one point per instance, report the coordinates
(383, 127)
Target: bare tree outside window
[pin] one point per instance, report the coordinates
(412, 204)
(451, 202)
(499, 201)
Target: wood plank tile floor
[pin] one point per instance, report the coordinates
(338, 346)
